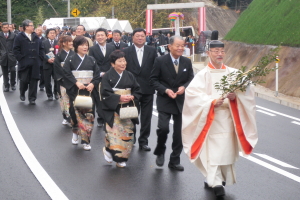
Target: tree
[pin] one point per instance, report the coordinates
(39, 18)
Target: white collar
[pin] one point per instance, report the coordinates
(173, 59)
(81, 57)
(136, 48)
(69, 51)
(103, 47)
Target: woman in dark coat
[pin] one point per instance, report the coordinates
(65, 51)
(87, 74)
(118, 87)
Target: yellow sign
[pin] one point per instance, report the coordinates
(277, 59)
(75, 12)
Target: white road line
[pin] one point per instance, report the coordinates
(45, 180)
(267, 113)
(273, 168)
(279, 113)
(298, 123)
(274, 160)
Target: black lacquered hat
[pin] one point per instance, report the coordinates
(214, 40)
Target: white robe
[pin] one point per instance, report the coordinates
(217, 132)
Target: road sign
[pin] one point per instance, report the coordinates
(75, 12)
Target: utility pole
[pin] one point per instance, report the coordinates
(113, 12)
(69, 11)
(9, 11)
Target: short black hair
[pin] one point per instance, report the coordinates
(115, 55)
(25, 23)
(48, 31)
(138, 30)
(79, 40)
(117, 31)
(101, 29)
(5, 23)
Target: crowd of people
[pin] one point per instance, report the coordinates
(124, 72)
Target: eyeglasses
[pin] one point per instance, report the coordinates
(218, 52)
(30, 25)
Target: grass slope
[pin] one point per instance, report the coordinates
(268, 22)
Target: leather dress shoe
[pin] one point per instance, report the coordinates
(177, 167)
(219, 190)
(31, 102)
(50, 98)
(56, 97)
(207, 186)
(13, 87)
(6, 89)
(22, 97)
(145, 148)
(160, 159)
(41, 89)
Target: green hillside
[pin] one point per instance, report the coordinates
(269, 22)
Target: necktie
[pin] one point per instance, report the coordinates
(117, 44)
(140, 56)
(51, 43)
(6, 35)
(176, 66)
(103, 51)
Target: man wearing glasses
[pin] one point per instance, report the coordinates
(214, 127)
(29, 52)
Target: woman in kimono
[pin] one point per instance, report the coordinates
(65, 51)
(118, 87)
(81, 74)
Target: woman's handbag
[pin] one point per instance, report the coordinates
(82, 101)
(129, 112)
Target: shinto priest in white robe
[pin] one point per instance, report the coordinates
(212, 137)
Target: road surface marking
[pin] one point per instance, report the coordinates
(298, 123)
(279, 113)
(275, 160)
(273, 168)
(42, 176)
(267, 113)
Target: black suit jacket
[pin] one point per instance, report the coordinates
(141, 73)
(7, 57)
(164, 77)
(103, 62)
(122, 45)
(47, 47)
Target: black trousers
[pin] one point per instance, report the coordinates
(25, 81)
(9, 81)
(162, 135)
(146, 104)
(42, 82)
(48, 73)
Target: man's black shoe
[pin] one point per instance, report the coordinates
(13, 87)
(177, 167)
(160, 160)
(50, 98)
(206, 185)
(145, 148)
(56, 97)
(32, 102)
(41, 89)
(6, 89)
(22, 97)
(219, 190)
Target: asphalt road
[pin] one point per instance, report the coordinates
(86, 175)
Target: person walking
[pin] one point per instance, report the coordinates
(29, 52)
(7, 58)
(171, 74)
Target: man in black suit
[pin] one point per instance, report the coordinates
(7, 58)
(116, 42)
(29, 52)
(49, 46)
(101, 51)
(140, 59)
(171, 74)
(39, 33)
